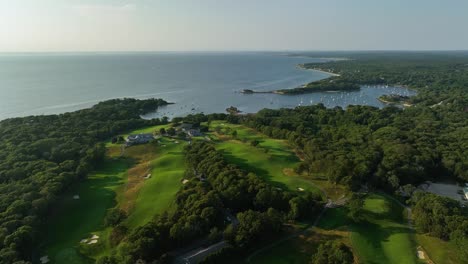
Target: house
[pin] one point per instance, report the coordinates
(139, 139)
(194, 133)
(185, 126)
(465, 192)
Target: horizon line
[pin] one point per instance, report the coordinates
(236, 51)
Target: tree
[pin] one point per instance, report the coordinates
(355, 208)
(333, 252)
(114, 217)
(254, 142)
(171, 131)
(162, 131)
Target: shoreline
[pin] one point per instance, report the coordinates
(301, 66)
(280, 92)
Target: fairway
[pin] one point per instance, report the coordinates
(75, 219)
(271, 159)
(118, 182)
(158, 192)
(384, 236)
(439, 251)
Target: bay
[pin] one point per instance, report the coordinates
(35, 84)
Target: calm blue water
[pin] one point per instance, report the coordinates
(32, 84)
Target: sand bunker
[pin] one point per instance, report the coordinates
(44, 259)
(76, 197)
(300, 189)
(90, 241)
(421, 255)
(147, 176)
(185, 181)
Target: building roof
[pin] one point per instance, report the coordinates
(465, 190)
(140, 137)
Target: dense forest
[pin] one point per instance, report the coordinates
(215, 191)
(327, 85)
(41, 156)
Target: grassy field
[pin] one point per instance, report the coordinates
(158, 192)
(75, 219)
(271, 159)
(439, 251)
(118, 182)
(382, 238)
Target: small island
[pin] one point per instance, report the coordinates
(327, 85)
(233, 110)
(395, 99)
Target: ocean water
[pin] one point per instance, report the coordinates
(34, 84)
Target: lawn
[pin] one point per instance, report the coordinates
(383, 237)
(75, 219)
(271, 159)
(158, 192)
(118, 182)
(439, 251)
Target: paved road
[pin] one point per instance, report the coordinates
(197, 255)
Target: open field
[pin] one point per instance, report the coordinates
(271, 159)
(382, 237)
(158, 192)
(75, 219)
(439, 251)
(120, 181)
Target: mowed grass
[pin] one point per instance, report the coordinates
(157, 194)
(439, 251)
(117, 182)
(271, 159)
(384, 236)
(75, 219)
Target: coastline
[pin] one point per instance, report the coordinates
(301, 66)
(281, 92)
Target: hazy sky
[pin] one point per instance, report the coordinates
(211, 25)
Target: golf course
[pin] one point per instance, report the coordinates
(271, 159)
(382, 236)
(142, 181)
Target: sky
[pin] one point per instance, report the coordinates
(232, 25)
